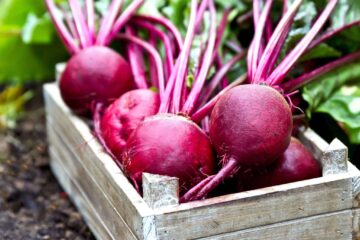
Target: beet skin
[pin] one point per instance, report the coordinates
(95, 74)
(124, 115)
(170, 145)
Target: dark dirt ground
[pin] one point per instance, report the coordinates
(32, 204)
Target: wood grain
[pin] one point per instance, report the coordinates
(93, 220)
(331, 226)
(235, 212)
(160, 191)
(111, 218)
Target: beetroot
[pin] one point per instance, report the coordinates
(251, 124)
(124, 115)
(171, 145)
(295, 164)
(96, 74)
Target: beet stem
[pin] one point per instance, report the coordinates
(184, 58)
(314, 74)
(70, 23)
(275, 43)
(90, 19)
(64, 34)
(166, 24)
(136, 62)
(166, 100)
(223, 174)
(207, 108)
(220, 74)
(123, 18)
(218, 65)
(166, 40)
(152, 64)
(191, 193)
(332, 33)
(153, 53)
(280, 72)
(205, 66)
(80, 23)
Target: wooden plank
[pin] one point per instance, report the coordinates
(90, 190)
(336, 226)
(93, 220)
(264, 206)
(160, 191)
(313, 142)
(355, 175)
(83, 145)
(356, 224)
(334, 159)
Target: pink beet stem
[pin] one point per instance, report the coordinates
(63, 32)
(108, 21)
(70, 23)
(152, 64)
(220, 33)
(314, 74)
(153, 53)
(220, 74)
(280, 72)
(200, 14)
(266, 65)
(166, 100)
(121, 21)
(90, 14)
(136, 62)
(218, 65)
(207, 108)
(80, 23)
(169, 57)
(184, 58)
(205, 66)
(268, 29)
(166, 24)
(193, 191)
(332, 33)
(223, 174)
(275, 44)
(257, 43)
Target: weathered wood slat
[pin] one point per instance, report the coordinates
(313, 142)
(90, 190)
(332, 226)
(160, 191)
(85, 147)
(239, 211)
(87, 211)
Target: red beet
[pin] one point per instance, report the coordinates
(171, 145)
(250, 126)
(295, 164)
(124, 115)
(95, 74)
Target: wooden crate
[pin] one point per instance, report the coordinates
(321, 208)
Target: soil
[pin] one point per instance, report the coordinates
(32, 204)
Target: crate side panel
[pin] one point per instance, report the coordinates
(261, 208)
(332, 226)
(106, 211)
(97, 227)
